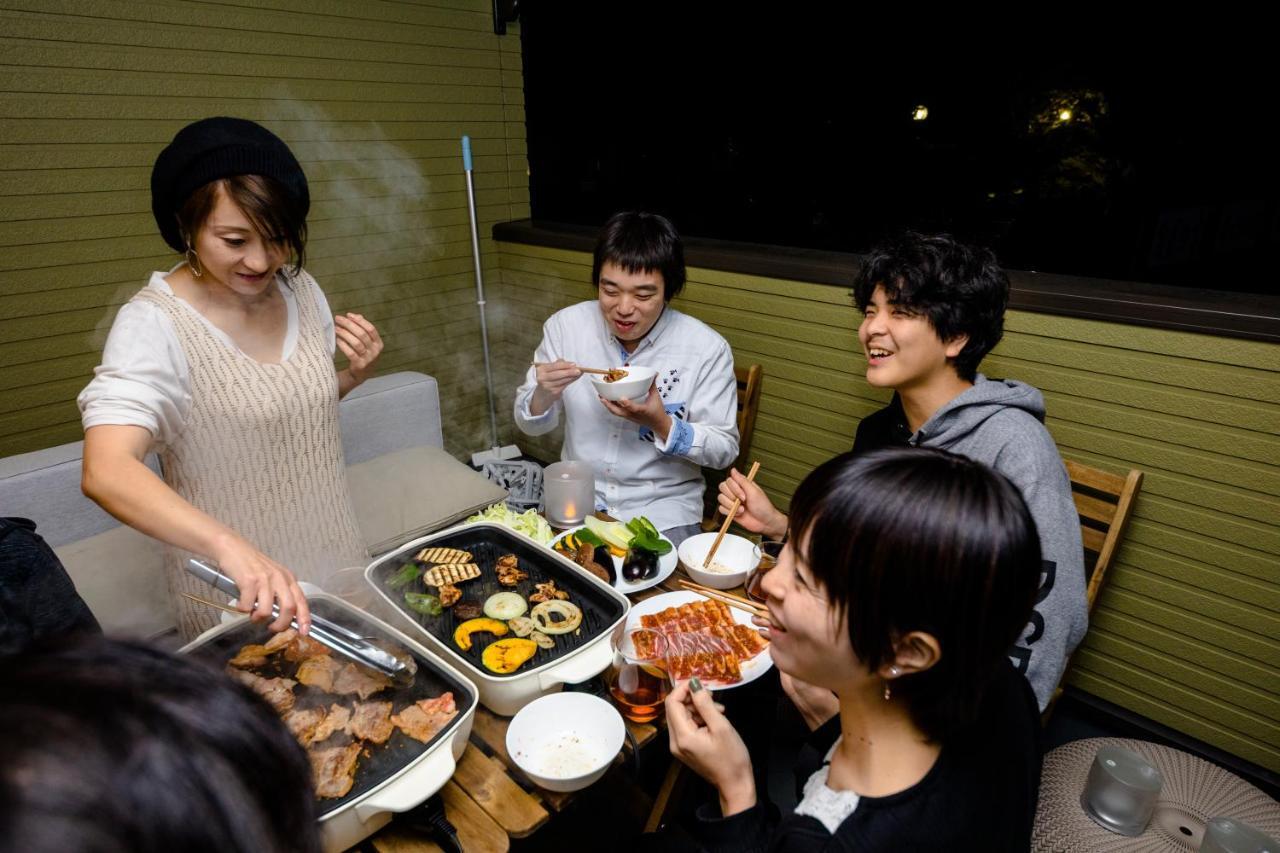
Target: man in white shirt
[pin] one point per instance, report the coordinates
(647, 454)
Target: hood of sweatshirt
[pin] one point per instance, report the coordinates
(964, 415)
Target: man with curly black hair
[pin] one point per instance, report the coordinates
(933, 308)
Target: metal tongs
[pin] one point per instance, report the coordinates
(342, 640)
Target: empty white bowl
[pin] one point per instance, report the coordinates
(565, 741)
(735, 553)
(633, 387)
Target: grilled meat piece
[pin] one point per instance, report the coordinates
(426, 717)
(449, 595)
(277, 691)
(318, 672)
(356, 679)
(279, 641)
(335, 721)
(301, 648)
(250, 657)
(465, 610)
(548, 592)
(509, 571)
(334, 770)
(304, 724)
(371, 721)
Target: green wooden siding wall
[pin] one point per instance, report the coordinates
(1187, 631)
(373, 97)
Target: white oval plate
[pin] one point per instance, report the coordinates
(751, 670)
(666, 565)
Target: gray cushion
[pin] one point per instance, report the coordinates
(44, 486)
(120, 574)
(409, 493)
(390, 413)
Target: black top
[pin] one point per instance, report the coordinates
(979, 795)
(37, 599)
(886, 427)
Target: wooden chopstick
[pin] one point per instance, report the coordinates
(724, 597)
(733, 510)
(588, 369)
(226, 607)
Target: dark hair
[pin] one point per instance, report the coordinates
(642, 242)
(916, 539)
(110, 746)
(273, 212)
(961, 289)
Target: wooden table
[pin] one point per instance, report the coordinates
(489, 800)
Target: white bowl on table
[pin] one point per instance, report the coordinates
(735, 553)
(634, 386)
(565, 741)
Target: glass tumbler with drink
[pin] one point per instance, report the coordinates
(637, 680)
(769, 552)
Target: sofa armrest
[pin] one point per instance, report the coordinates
(390, 413)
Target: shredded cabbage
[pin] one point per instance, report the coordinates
(528, 522)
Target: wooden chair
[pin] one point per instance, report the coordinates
(750, 379)
(1104, 502)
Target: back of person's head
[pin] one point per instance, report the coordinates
(961, 289)
(113, 747)
(642, 242)
(915, 539)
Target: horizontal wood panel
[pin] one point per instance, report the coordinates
(373, 98)
(1190, 620)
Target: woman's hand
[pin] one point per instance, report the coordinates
(816, 705)
(262, 582)
(360, 343)
(755, 513)
(704, 739)
(650, 413)
(553, 377)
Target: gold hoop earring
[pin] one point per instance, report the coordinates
(193, 261)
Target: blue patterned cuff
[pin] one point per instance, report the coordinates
(680, 441)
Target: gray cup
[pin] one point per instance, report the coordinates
(1121, 792)
(1228, 835)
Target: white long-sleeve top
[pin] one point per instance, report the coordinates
(636, 473)
(144, 379)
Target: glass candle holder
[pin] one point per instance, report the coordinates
(568, 493)
(1121, 791)
(1228, 835)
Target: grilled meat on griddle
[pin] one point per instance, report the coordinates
(425, 718)
(277, 691)
(371, 721)
(334, 770)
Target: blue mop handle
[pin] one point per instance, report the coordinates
(466, 153)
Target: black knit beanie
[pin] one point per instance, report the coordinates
(215, 148)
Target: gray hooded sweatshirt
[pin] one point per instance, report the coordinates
(1001, 423)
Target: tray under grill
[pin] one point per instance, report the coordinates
(384, 761)
(487, 544)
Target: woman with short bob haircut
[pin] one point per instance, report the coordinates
(907, 576)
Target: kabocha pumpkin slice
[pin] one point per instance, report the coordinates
(508, 655)
(462, 635)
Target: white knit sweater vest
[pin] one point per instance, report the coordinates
(261, 453)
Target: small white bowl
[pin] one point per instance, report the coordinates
(632, 387)
(565, 741)
(741, 555)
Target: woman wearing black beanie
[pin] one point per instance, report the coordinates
(224, 366)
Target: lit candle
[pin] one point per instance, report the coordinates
(568, 490)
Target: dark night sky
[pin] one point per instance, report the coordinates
(799, 131)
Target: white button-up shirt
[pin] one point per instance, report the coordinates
(636, 472)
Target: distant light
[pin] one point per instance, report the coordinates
(1018, 191)
(1064, 116)
(921, 113)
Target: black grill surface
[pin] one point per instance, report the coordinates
(487, 544)
(383, 761)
